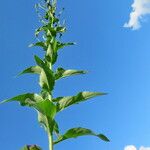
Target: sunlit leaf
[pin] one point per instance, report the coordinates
(62, 73)
(27, 99)
(63, 102)
(76, 132)
(47, 122)
(46, 113)
(49, 52)
(42, 119)
(47, 108)
(32, 70)
(47, 79)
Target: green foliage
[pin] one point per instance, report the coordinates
(33, 70)
(49, 39)
(31, 147)
(76, 132)
(63, 102)
(62, 73)
(28, 99)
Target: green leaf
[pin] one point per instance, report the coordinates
(62, 45)
(46, 113)
(76, 132)
(55, 55)
(43, 28)
(33, 70)
(47, 122)
(56, 128)
(42, 120)
(47, 108)
(39, 44)
(49, 52)
(27, 99)
(63, 102)
(47, 79)
(31, 147)
(39, 61)
(62, 73)
(61, 29)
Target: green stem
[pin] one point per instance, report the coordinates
(50, 135)
(50, 140)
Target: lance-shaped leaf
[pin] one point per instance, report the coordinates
(32, 70)
(39, 44)
(31, 147)
(47, 79)
(39, 61)
(62, 45)
(62, 73)
(56, 128)
(63, 102)
(27, 99)
(46, 107)
(76, 132)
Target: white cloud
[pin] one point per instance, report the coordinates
(132, 147)
(144, 148)
(140, 8)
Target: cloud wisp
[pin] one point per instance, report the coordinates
(140, 8)
(144, 148)
(132, 147)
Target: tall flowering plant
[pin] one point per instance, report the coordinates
(47, 106)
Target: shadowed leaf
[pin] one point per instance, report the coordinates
(56, 128)
(63, 102)
(62, 73)
(62, 45)
(76, 132)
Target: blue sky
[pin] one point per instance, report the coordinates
(117, 59)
